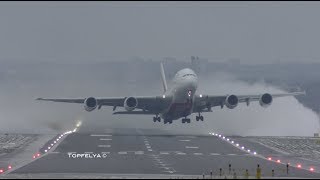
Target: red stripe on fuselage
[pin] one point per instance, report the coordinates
(180, 108)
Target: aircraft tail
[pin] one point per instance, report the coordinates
(163, 78)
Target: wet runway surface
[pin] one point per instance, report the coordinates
(140, 152)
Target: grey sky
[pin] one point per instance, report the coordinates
(255, 32)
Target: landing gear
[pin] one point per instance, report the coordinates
(199, 118)
(186, 120)
(157, 118)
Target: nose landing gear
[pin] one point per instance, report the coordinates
(186, 120)
(157, 118)
(199, 118)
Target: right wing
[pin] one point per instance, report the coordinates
(148, 105)
(205, 102)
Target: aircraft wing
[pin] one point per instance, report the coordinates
(205, 102)
(149, 105)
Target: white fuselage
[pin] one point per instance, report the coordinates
(185, 84)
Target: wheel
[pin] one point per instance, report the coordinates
(188, 120)
(201, 118)
(159, 119)
(197, 118)
(154, 119)
(170, 122)
(183, 121)
(165, 122)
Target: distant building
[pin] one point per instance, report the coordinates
(169, 60)
(199, 65)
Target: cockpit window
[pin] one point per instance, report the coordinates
(189, 75)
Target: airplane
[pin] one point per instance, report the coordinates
(179, 101)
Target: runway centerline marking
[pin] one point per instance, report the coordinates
(139, 152)
(105, 139)
(192, 147)
(106, 146)
(98, 135)
(185, 140)
(164, 152)
(197, 154)
(214, 154)
(122, 152)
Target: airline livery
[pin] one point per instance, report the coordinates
(177, 102)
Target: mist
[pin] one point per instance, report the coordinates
(20, 113)
(51, 33)
(286, 116)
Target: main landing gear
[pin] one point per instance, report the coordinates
(199, 118)
(186, 120)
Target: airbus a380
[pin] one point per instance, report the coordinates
(177, 102)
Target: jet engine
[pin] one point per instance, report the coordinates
(231, 101)
(90, 104)
(130, 103)
(265, 100)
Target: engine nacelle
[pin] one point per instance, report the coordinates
(130, 103)
(265, 100)
(90, 104)
(232, 101)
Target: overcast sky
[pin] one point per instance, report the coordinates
(254, 32)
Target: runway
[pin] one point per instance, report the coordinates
(137, 151)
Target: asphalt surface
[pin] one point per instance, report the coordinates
(134, 151)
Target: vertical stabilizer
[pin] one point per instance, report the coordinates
(163, 78)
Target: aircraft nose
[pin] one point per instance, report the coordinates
(192, 81)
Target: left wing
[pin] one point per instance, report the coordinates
(148, 105)
(204, 103)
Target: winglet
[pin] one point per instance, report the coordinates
(163, 78)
